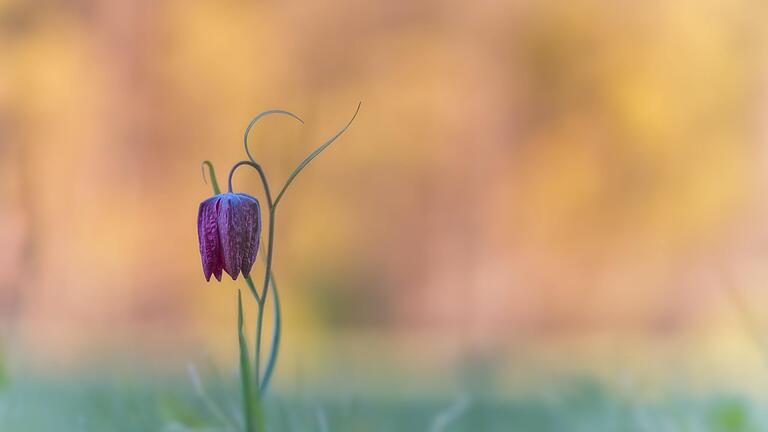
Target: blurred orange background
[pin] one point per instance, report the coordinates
(567, 185)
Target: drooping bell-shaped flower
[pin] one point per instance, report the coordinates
(228, 228)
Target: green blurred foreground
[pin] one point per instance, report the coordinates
(153, 403)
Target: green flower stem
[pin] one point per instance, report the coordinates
(257, 358)
(245, 368)
(276, 332)
(260, 298)
(267, 278)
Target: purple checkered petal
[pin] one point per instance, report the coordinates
(208, 236)
(229, 228)
(252, 225)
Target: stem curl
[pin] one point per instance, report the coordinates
(263, 176)
(257, 118)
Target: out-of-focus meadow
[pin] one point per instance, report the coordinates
(537, 198)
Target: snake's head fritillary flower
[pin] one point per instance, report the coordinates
(228, 228)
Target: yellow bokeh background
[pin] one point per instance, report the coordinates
(562, 186)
